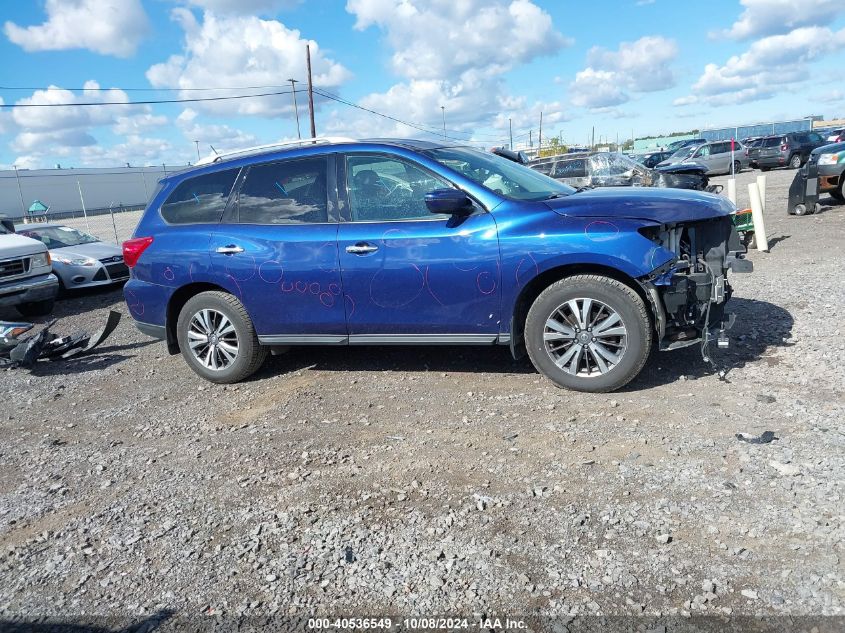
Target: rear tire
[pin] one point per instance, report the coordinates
(217, 338)
(737, 166)
(37, 308)
(795, 162)
(599, 353)
(765, 168)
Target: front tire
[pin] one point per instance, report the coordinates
(589, 333)
(37, 308)
(839, 192)
(217, 338)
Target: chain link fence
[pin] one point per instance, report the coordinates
(113, 224)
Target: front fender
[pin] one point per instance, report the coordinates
(531, 246)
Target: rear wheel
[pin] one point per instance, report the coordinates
(765, 168)
(588, 333)
(217, 338)
(795, 161)
(737, 166)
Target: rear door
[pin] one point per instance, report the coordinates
(410, 276)
(720, 157)
(276, 250)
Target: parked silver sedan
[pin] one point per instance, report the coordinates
(80, 260)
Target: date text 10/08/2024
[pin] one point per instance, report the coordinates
(417, 623)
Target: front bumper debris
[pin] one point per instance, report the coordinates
(19, 351)
(689, 295)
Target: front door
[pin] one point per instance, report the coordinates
(277, 251)
(408, 275)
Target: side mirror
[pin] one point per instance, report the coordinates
(448, 201)
(8, 224)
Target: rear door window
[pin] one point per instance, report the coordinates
(199, 200)
(288, 192)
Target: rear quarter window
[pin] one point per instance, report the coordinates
(200, 199)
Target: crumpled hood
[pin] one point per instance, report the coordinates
(19, 246)
(682, 168)
(644, 203)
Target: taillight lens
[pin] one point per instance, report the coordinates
(784, 147)
(132, 250)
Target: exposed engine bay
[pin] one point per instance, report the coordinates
(689, 294)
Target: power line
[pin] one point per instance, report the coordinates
(146, 102)
(417, 126)
(99, 89)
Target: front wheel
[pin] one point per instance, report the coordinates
(217, 338)
(589, 333)
(839, 192)
(37, 308)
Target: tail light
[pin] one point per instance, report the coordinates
(784, 147)
(132, 249)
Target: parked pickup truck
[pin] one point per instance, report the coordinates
(26, 279)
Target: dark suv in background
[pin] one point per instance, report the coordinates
(785, 150)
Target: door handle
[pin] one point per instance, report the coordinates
(361, 248)
(229, 249)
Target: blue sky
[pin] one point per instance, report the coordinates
(623, 66)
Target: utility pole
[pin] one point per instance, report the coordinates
(20, 193)
(540, 135)
(310, 91)
(443, 110)
(510, 128)
(198, 149)
(530, 139)
(593, 144)
(295, 109)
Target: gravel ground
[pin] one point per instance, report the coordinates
(413, 481)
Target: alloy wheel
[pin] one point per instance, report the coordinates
(585, 337)
(213, 339)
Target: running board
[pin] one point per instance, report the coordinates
(384, 339)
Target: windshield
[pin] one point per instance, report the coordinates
(611, 164)
(500, 175)
(685, 151)
(59, 236)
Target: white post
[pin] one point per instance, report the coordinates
(81, 199)
(757, 216)
(761, 185)
(732, 190)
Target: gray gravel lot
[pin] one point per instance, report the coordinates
(412, 480)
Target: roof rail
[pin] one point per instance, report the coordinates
(259, 149)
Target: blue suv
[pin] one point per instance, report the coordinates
(384, 242)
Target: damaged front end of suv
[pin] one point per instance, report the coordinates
(690, 292)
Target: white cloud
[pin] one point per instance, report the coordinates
(450, 54)
(70, 131)
(45, 117)
(108, 27)
(442, 38)
(263, 53)
(138, 123)
(245, 7)
(770, 17)
(610, 76)
(221, 136)
(767, 68)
